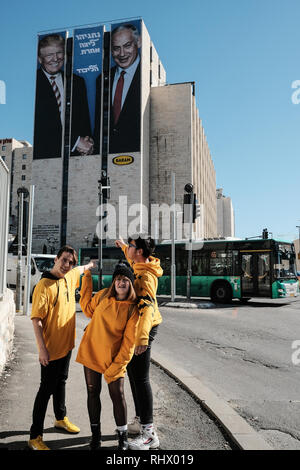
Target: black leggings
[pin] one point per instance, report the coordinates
(138, 371)
(93, 381)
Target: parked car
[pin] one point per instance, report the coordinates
(39, 264)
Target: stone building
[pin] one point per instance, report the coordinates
(225, 215)
(17, 155)
(172, 140)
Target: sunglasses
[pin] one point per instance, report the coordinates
(131, 244)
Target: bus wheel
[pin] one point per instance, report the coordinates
(221, 293)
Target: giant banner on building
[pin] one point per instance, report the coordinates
(87, 66)
(50, 96)
(125, 88)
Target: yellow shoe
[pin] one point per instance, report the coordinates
(66, 425)
(37, 444)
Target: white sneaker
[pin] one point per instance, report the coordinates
(134, 427)
(147, 440)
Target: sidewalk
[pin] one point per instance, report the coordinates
(173, 407)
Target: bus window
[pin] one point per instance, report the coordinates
(163, 252)
(181, 256)
(199, 263)
(235, 263)
(220, 263)
(285, 264)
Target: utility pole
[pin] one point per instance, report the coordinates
(103, 184)
(22, 193)
(29, 245)
(173, 263)
(189, 198)
(298, 227)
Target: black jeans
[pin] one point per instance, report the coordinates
(139, 377)
(53, 382)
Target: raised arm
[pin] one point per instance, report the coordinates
(85, 267)
(121, 244)
(88, 303)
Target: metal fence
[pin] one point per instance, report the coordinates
(4, 214)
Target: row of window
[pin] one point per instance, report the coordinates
(3, 158)
(24, 156)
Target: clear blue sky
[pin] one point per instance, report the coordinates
(243, 56)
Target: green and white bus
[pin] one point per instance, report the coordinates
(221, 269)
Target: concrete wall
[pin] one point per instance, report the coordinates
(178, 144)
(47, 178)
(7, 326)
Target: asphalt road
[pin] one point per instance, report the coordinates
(245, 354)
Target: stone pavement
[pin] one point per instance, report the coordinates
(180, 420)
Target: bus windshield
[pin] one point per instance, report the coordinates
(284, 262)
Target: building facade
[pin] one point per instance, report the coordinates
(225, 215)
(178, 144)
(17, 156)
(172, 139)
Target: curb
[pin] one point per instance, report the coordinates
(188, 305)
(243, 435)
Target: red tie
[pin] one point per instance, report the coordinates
(56, 91)
(118, 97)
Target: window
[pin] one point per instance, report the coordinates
(199, 263)
(220, 263)
(3, 158)
(23, 177)
(24, 156)
(3, 148)
(23, 167)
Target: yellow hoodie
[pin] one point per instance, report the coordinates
(145, 284)
(53, 301)
(107, 345)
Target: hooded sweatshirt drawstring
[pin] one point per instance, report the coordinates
(48, 275)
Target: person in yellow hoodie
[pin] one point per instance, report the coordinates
(147, 270)
(53, 318)
(107, 346)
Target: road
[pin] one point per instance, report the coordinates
(244, 354)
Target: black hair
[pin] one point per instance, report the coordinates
(146, 244)
(68, 249)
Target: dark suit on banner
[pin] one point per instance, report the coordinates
(48, 126)
(125, 135)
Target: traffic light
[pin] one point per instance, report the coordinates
(196, 209)
(265, 234)
(190, 198)
(187, 201)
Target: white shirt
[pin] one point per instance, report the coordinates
(130, 71)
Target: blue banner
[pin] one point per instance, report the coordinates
(87, 64)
